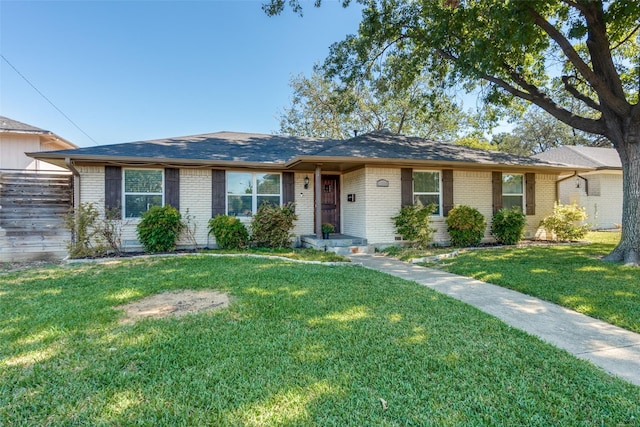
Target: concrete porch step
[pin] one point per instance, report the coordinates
(340, 244)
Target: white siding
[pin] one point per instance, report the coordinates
(13, 148)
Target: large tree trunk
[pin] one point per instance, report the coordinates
(628, 250)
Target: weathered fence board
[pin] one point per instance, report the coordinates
(32, 208)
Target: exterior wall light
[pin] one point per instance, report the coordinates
(306, 182)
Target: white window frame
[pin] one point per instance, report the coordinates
(429, 193)
(125, 193)
(522, 195)
(254, 194)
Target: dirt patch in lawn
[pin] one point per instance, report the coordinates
(175, 304)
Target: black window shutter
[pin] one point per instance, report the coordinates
(530, 182)
(406, 186)
(113, 190)
(447, 191)
(218, 193)
(288, 187)
(496, 184)
(172, 187)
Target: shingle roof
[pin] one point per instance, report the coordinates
(219, 146)
(224, 148)
(10, 125)
(593, 157)
(388, 145)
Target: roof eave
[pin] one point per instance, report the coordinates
(323, 160)
(59, 159)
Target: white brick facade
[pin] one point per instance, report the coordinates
(304, 205)
(369, 216)
(353, 215)
(195, 203)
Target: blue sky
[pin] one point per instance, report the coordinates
(137, 70)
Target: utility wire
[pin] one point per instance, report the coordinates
(47, 99)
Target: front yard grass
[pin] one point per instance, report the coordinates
(300, 344)
(569, 275)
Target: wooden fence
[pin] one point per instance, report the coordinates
(32, 208)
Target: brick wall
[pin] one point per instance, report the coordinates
(304, 205)
(382, 203)
(195, 201)
(354, 218)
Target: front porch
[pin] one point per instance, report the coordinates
(340, 244)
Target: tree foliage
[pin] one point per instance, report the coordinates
(321, 107)
(537, 131)
(578, 60)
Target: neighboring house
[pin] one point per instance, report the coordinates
(599, 190)
(34, 195)
(356, 184)
(16, 138)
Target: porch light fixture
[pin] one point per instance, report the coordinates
(306, 182)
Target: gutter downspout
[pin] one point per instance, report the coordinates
(76, 180)
(75, 201)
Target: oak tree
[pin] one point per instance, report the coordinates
(517, 50)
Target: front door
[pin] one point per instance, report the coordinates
(330, 198)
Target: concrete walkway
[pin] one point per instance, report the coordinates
(614, 349)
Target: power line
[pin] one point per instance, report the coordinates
(47, 99)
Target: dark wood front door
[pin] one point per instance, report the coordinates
(330, 198)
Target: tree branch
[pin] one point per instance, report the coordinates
(578, 95)
(534, 95)
(620, 106)
(575, 5)
(623, 41)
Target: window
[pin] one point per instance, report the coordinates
(246, 191)
(512, 191)
(142, 190)
(426, 189)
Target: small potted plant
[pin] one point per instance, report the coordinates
(326, 229)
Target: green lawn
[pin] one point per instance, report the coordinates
(300, 345)
(572, 276)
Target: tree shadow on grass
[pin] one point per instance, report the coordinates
(571, 276)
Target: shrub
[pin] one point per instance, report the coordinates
(466, 226)
(93, 234)
(82, 222)
(413, 223)
(272, 225)
(565, 221)
(189, 228)
(159, 229)
(229, 231)
(507, 225)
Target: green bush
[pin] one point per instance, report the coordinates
(229, 231)
(466, 226)
(565, 222)
(413, 223)
(272, 225)
(507, 225)
(159, 229)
